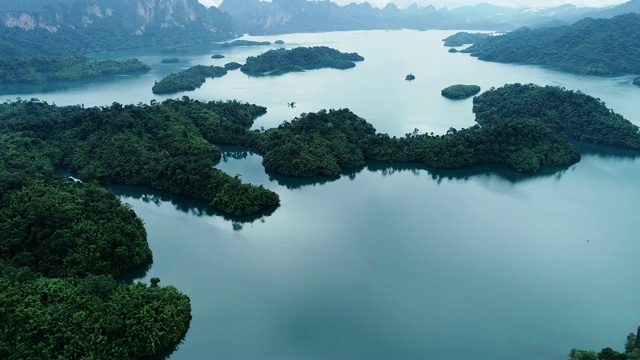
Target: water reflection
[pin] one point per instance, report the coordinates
(184, 204)
(606, 151)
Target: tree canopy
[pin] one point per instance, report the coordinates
(41, 69)
(281, 61)
(460, 91)
(187, 80)
(589, 46)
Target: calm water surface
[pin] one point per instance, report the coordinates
(394, 262)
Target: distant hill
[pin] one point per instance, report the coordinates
(589, 46)
(48, 27)
(632, 6)
(288, 16)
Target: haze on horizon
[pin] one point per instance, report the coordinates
(457, 3)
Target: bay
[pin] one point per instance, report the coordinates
(394, 261)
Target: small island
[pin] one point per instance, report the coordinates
(636, 81)
(459, 91)
(170, 60)
(232, 66)
(278, 42)
(245, 43)
(187, 80)
(410, 77)
(217, 56)
(453, 51)
(281, 61)
(464, 38)
(37, 70)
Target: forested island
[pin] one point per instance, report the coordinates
(464, 38)
(245, 43)
(187, 80)
(232, 66)
(281, 61)
(589, 46)
(217, 56)
(42, 69)
(522, 126)
(631, 351)
(460, 91)
(170, 60)
(636, 81)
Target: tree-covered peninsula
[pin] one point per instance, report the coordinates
(636, 81)
(589, 46)
(522, 126)
(631, 351)
(464, 38)
(245, 43)
(42, 69)
(62, 243)
(281, 61)
(187, 80)
(460, 91)
(167, 146)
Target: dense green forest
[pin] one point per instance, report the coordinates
(589, 46)
(61, 244)
(631, 351)
(460, 91)
(569, 113)
(280, 61)
(13, 70)
(463, 38)
(167, 146)
(187, 80)
(523, 126)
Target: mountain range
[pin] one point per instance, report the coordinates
(64, 27)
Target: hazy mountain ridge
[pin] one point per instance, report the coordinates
(107, 24)
(288, 16)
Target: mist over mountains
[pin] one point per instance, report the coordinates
(55, 27)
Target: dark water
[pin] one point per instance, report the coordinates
(397, 261)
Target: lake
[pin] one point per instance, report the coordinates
(393, 261)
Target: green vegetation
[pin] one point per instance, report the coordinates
(187, 80)
(279, 42)
(232, 66)
(589, 46)
(281, 61)
(460, 91)
(245, 43)
(167, 146)
(569, 113)
(410, 77)
(61, 244)
(94, 317)
(170, 60)
(452, 50)
(463, 38)
(636, 81)
(217, 56)
(522, 126)
(631, 351)
(33, 70)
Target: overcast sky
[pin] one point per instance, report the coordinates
(455, 3)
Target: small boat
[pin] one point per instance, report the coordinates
(410, 77)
